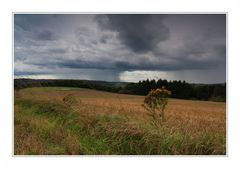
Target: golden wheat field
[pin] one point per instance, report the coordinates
(99, 122)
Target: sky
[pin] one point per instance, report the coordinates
(121, 47)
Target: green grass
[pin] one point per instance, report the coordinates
(53, 127)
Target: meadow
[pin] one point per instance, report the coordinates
(77, 121)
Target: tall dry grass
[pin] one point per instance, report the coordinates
(82, 121)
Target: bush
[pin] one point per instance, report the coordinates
(155, 103)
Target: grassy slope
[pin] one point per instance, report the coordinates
(83, 121)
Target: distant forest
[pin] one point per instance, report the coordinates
(180, 89)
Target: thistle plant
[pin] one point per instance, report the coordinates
(155, 103)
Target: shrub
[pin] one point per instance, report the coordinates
(70, 99)
(155, 103)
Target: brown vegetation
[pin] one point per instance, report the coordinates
(192, 127)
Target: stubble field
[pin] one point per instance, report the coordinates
(65, 121)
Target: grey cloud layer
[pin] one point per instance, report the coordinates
(117, 43)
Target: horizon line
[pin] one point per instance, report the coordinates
(15, 78)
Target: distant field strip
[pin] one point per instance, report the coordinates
(65, 121)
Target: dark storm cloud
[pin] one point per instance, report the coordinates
(185, 64)
(141, 33)
(119, 43)
(75, 64)
(141, 64)
(196, 41)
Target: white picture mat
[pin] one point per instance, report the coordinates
(107, 6)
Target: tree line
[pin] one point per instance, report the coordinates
(179, 89)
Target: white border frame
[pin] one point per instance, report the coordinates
(82, 13)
